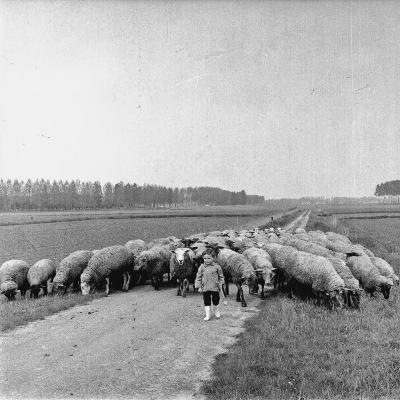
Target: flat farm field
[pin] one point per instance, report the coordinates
(361, 209)
(32, 242)
(37, 217)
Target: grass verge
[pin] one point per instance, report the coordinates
(295, 350)
(22, 311)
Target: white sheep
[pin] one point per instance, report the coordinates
(385, 269)
(13, 277)
(262, 264)
(182, 267)
(306, 272)
(69, 270)
(369, 276)
(114, 262)
(239, 268)
(154, 262)
(40, 275)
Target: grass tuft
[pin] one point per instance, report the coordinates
(22, 311)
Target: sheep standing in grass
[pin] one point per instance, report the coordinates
(368, 274)
(155, 262)
(308, 274)
(351, 292)
(110, 262)
(40, 276)
(262, 264)
(13, 277)
(69, 270)
(182, 267)
(239, 268)
(385, 269)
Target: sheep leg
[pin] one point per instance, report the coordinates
(226, 278)
(50, 287)
(107, 286)
(241, 296)
(262, 282)
(157, 282)
(238, 294)
(179, 292)
(185, 287)
(125, 285)
(44, 287)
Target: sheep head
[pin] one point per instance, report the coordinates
(334, 299)
(86, 288)
(180, 254)
(9, 289)
(384, 286)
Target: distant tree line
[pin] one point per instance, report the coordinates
(390, 191)
(391, 188)
(68, 195)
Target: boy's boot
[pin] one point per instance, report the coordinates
(217, 312)
(208, 313)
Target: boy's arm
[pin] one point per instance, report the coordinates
(199, 277)
(221, 279)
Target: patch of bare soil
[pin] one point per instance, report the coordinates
(141, 344)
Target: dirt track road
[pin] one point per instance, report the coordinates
(140, 344)
(299, 222)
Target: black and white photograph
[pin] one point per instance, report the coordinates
(200, 199)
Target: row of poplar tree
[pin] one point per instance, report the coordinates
(390, 188)
(68, 195)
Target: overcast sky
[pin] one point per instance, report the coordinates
(279, 98)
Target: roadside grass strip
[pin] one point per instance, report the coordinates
(293, 349)
(16, 313)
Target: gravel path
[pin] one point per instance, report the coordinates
(141, 344)
(299, 222)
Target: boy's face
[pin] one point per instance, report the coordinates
(207, 259)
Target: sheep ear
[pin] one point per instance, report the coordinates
(258, 270)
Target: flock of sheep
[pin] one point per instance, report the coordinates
(323, 266)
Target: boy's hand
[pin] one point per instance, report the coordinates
(199, 289)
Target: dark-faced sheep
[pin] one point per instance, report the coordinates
(369, 276)
(69, 270)
(13, 277)
(113, 261)
(262, 264)
(40, 276)
(239, 268)
(154, 262)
